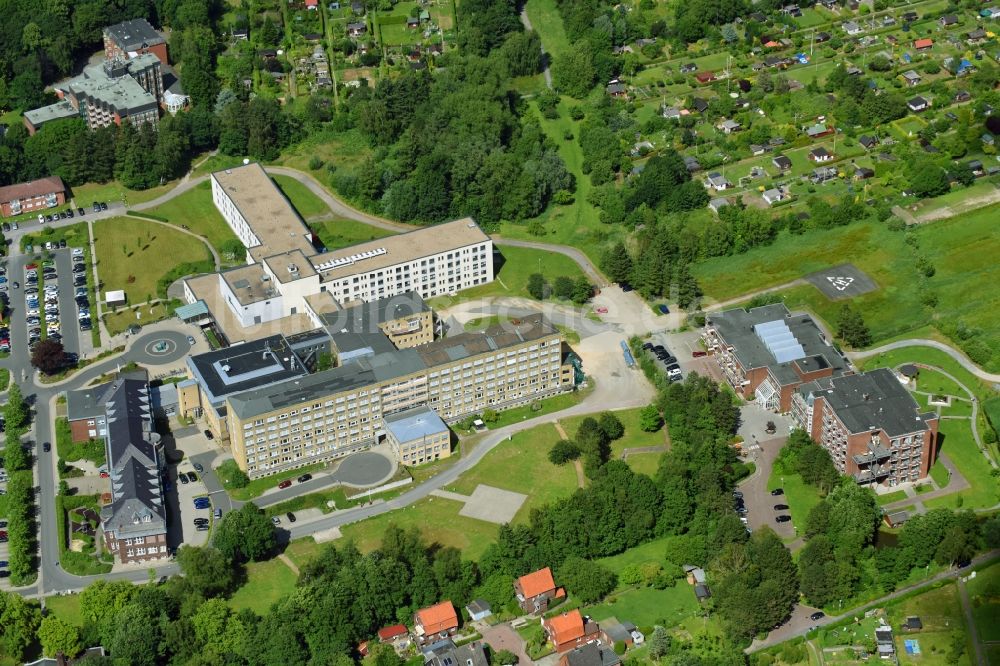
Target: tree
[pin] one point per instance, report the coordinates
(245, 534)
(562, 287)
(537, 286)
(611, 425)
(928, 180)
(49, 356)
(503, 658)
(57, 636)
(19, 620)
(688, 289)
(563, 451)
(16, 411)
(206, 569)
(851, 328)
(659, 643)
(573, 71)
(586, 580)
(583, 291)
(617, 263)
(231, 474)
(650, 419)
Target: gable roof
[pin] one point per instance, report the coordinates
(566, 627)
(388, 633)
(33, 188)
(925, 43)
(437, 618)
(535, 583)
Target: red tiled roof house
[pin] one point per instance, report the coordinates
(32, 197)
(534, 591)
(436, 622)
(569, 631)
(397, 636)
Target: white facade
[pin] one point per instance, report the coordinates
(233, 217)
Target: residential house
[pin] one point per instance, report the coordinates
(616, 89)
(894, 519)
(823, 174)
(867, 142)
(241, 34)
(704, 77)
(717, 181)
(728, 126)
(718, 204)
(132, 38)
(819, 130)
(702, 592)
(885, 645)
(32, 197)
(626, 633)
(478, 609)
(757, 149)
(781, 162)
(312, 5)
(699, 105)
(823, 37)
(963, 96)
(357, 29)
(863, 173)
(773, 196)
(358, 7)
(947, 20)
(923, 44)
(887, 21)
(412, 22)
(590, 654)
(987, 139)
(990, 13)
(446, 653)
(641, 148)
(569, 630)
(909, 17)
(758, 17)
(692, 164)
(534, 591)
(852, 28)
(671, 113)
(911, 78)
(688, 68)
(976, 167)
(913, 623)
(917, 104)
(820, 154)
(694, 574)
(435, 622)
(977, 36)
(397, 636)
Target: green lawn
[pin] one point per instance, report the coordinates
(302, 550)
(521, 465)
(940, 474)
(119, 321)
(267, 582)
(66, 608)
(305, 202)
(932, 357)
(647, 606)
(556, 403)
(512, 278)
(941, 614)
(634, 436)
(257, 487)
(546, 21)
(932, 381)
(651, 551)
(85, 195)
(984, 593)
(338, 233)
(135, 255)
(894, 308)
(957, 442)
(889, 498)
(644, 463)
(195, 210)
(437, 519)
(799, 495)
(4, 379)
(577, 224)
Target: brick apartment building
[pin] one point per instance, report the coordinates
(766, 353)
(134, 524)
(32, 197)
(128, 39)
(534, 591)
(870, 424)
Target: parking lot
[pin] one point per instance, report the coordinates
(40, 293)
(185, 511)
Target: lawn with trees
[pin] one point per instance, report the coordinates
(195, 211)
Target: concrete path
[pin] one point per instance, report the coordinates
(582, 260)
(526, 22)
(448, 495)
(970, 622)
(183, 230)
(961, 358)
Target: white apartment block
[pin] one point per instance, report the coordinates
(284, 269)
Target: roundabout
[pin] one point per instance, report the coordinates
(158, 348)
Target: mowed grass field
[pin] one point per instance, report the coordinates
(961, 249)
(195, 210)
(512, 278)
(133, 254)
(438, 521)
(302, 198)
(522, 465)
(984, 593)
(338, 233)
(266, 583)
(634, 436)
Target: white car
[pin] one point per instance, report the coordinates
(77, 252)
(34, 312)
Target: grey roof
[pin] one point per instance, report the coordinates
(88, 403)
(615, 630)
(133, 35)
(121, 93)
(366, 317)
(736, 328)
(479, 606)
(869, 401)
(413, 424)
(351, 346)
(251, 365)
(132, 446)
(591, 654)
(444, 653)
(58, 111)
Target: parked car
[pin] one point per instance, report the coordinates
(209, 435)
(781, 507)
(218, 514)
(782, 519)
(663, 309)
(777, 491)
(46, 446)
(192, 477)
(290, 516)
(182, 478)
(285, 484)
(198, 468)
(275, 520)
(304, 478)
(818, 615)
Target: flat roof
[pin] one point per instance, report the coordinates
(133, 34)
(367, 317)
(189, 310)
(290, 266)
(737, 327)
(245, 366)
(413, 424)
(250, 283)
(270, 215)
(498, 336)
(871, 401)
(123, 94)
(58, 111)
(399, 249)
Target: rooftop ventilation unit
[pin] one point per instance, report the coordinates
(780, 341)
(345, 261)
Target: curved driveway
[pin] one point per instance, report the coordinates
(962, 359)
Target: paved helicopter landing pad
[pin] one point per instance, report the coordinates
(842, 282)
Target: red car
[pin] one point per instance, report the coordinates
(699, 353)
(285, 484)
(104, 475)
(31, 267)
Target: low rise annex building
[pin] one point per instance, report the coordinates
(287, 278)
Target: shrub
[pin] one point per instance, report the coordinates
(232, 476)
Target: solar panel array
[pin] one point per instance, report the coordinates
(780, 341)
